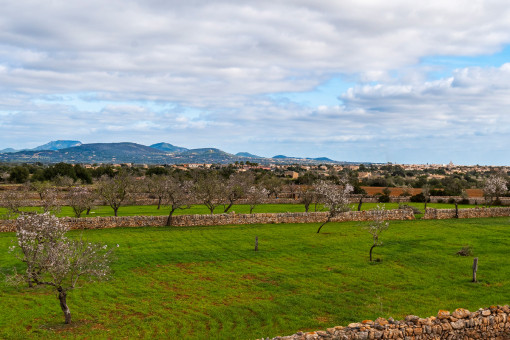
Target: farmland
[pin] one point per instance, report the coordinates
(208, 282)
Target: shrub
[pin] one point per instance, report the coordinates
(384, 198)
(465, 251)
(418, 198)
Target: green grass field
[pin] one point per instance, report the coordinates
(137, 210)
(209, 283)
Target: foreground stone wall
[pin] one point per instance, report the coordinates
(218, 219)
(440, 214)
(489, 323)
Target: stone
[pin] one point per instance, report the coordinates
(486, 312)
(457, 324)
(355, 325)
(461, 313)
(412, 318)
(443, 314)
(381, 321)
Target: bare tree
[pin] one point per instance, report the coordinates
(377, 226)
(208, 189)
(177, 195)
(13, 201)
(63, 181)
(307, 195)
(236, 187)
(54, 260)
(156, 186)
(256, 195)
(425, 190)
(494, 187)
(273, 184)
(80, 199)
(334, 197)
(114, 190)
(48, 195)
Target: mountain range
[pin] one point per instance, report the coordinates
(160, 153)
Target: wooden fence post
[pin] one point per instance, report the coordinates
(256, 243)
(475, 268)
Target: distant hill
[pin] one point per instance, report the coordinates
(160, 153)
(58, 144)
(323, 159)
(247, 154)
(8, 150)
(206, 155)
(168, 147)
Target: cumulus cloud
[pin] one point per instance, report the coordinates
(153, 62)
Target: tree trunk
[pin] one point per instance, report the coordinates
(225, 210)
(159, 202)
(62, 295)
(169, 219)
(322, 225)
(372, 248)
(251, 209)
(88, 211)
(115, 209)
(360, 203)
(456, 210)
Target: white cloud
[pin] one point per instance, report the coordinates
(223, 58)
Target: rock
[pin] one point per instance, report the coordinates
(355, 325)
(331, 331)
(443, 314)
(381, 321)
(486, 312)
(461, 313)
(458, 324)
(412, 318)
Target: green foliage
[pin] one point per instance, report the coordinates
(19, 174)
(157, 170)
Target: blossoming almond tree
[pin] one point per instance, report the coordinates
(334, 197)
(377, 226)
(54, 260)
(494, 187)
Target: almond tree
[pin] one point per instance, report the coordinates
(236, 187)
(208, 189)
(334, 197)
(256, 195)
(13, 201)
(80, 199)
(114, 190)
(177, 195)
(54, 260)
(494, 187)
(307, 195)
(156, 186)
(377, 226)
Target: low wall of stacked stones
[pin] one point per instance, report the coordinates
(218, 219)
(440, 214)
(489, 323)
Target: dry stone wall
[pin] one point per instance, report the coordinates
(218, 219)
(440, 214)
(489, 323)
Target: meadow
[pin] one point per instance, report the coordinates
(152, 210)
(209, 283)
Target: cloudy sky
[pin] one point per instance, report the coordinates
(354, 80)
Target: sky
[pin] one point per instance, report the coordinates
(353, 80)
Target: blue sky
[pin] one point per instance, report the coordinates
(365, 80)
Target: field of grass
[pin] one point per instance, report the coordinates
(209, 283)
(151, 210)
